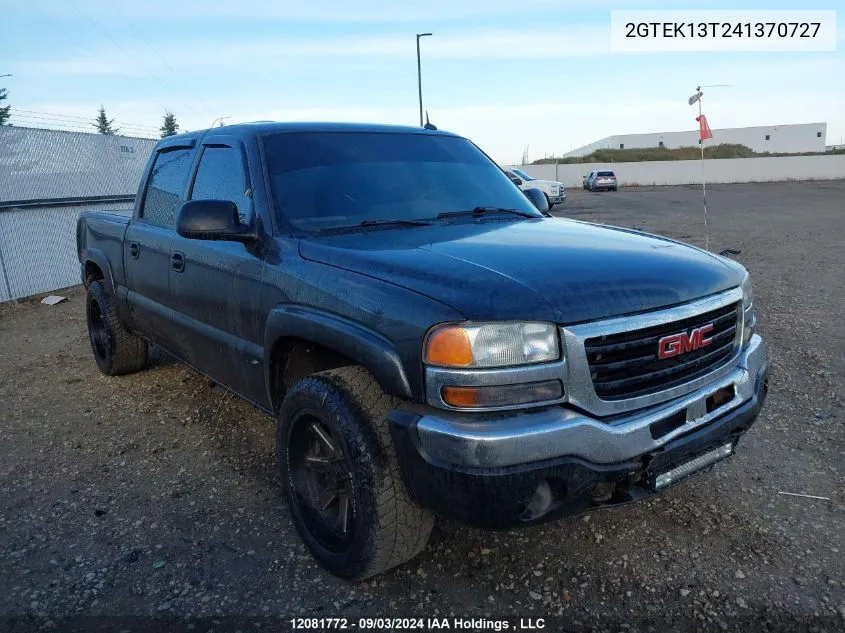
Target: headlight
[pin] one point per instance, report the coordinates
(749, 312)
(747, 292)
(491, 345)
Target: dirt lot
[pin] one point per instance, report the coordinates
(154, 495)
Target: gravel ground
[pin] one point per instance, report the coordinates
(154, 495)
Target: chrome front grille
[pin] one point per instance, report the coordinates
(627, 365)
(612, 366)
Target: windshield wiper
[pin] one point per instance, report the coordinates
(371, 223)
(395, 223)
(479, 211)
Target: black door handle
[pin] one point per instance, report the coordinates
(134, 250)
(177, 261)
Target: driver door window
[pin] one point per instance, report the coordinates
(221, 177)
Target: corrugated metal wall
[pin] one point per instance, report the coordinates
(47, 178)
(52, 164)
(38, 246)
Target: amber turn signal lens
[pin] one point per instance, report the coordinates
(502, 395)
(449, 347)
(460, 396)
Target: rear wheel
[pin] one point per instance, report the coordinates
(341, 475)
(116, 350)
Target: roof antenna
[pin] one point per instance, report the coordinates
(428, 125)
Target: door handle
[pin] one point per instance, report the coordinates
(134, 250)
(177, 261)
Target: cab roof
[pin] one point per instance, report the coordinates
(262, 128)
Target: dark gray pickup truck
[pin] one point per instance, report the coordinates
(427, 339)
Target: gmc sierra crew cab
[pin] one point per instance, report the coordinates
(427, 339)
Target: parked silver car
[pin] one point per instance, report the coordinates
(601, 179)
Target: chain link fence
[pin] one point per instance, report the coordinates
(47, 178)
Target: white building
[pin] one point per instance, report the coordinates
(788, 139)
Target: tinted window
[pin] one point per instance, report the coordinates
(220, 176)
(323, 180)
(165, 188)
(605, 173)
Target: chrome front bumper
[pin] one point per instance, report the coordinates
(510, 438)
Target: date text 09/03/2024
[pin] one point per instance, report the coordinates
(418, 624)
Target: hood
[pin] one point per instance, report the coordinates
(545, 183)
(549, 270)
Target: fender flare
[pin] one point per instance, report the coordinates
(366, 347)
(98, 257)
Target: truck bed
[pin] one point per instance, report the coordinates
(99, 234)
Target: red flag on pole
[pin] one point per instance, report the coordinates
(704, 129)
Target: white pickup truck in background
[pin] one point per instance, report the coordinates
(555, 191)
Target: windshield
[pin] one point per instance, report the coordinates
(328, 180)
(605, 173)
(522, 174)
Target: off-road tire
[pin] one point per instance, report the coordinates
(388, 527)
(116, 350)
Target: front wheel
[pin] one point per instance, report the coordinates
(341, 475)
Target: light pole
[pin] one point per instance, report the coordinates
(419, 73)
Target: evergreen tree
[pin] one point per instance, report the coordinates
(5, 112)
(169, 127)
(104, 124)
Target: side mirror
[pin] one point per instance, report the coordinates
(538, 199)
(516, 181)
(211, 220)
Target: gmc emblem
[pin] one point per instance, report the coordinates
(677, 344)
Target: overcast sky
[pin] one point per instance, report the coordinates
(504, 73)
